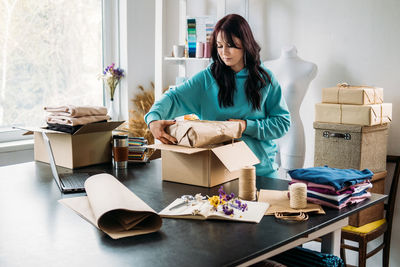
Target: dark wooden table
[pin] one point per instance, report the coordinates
(35, 230)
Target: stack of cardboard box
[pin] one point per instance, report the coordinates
(351, 128)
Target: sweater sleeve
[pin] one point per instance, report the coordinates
(277, 120)
(179, 100)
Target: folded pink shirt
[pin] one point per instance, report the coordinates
(330, 189)
(351, 200)
(65, 120)
(77, 111)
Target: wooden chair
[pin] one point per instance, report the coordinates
(376, 229)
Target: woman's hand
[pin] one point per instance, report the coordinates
(157, 128)
(242, 123)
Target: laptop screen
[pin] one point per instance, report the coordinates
(51, 158)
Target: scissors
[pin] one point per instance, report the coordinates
(186, 199)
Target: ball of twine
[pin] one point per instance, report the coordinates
(298, 195)
(247, 183)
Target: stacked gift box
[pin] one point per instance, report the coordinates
(136, 149)
(360, 105)
(351, 128)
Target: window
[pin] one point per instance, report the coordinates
(50, 54)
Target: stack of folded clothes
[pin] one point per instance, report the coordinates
(70, 118)
(335, 188)
(300, 257)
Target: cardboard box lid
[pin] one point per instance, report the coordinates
(233, 156)
(87, 128)
(236, 155)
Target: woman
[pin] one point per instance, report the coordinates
(236, 87)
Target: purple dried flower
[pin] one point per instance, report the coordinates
(230, 196)
(227, 210)
(221, 191)
(239, 205)
(112, 77)
(244, 207)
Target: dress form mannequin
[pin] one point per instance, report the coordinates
(294, 75)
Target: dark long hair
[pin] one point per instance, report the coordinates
(235, 25)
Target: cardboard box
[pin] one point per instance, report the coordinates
(346, 146)
(90, 145)
(375, 212)
(356, 95)
(367, 115)
(206, 167)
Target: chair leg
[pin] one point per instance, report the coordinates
(343, 251)
(362, 253)
(386, 249)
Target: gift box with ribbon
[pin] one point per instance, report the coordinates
(366, 115)
(355, 95)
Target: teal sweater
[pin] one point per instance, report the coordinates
(199, 95)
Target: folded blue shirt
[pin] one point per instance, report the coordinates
(338, 178)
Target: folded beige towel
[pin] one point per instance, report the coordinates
(66, 120)
(200, 133)
(76, 111)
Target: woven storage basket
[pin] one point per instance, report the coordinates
(348, 146)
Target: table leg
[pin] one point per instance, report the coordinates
(331, 243)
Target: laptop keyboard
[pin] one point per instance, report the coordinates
(76, 180)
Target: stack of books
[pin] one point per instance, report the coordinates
(136, 149)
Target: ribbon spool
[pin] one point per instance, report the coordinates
(298, 195)
(247, 183)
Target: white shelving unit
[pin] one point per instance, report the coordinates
(160, 35)
(160, 51)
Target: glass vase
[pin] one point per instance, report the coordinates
(113, 110)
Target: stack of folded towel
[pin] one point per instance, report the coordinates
(70, 118)
(336, 188)
(136, 149)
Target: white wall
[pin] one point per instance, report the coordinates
(351, 41)
(137, 47)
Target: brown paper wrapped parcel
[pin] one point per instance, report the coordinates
(356, 95)
(367, 115)
(201, 133)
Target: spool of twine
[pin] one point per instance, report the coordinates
(298, 195)
(247, 183)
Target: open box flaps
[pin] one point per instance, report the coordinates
(235, 156)
(204, 166)
(175, 148)
(87, 128)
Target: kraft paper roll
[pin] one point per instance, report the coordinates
(298, 195)
(247, 183)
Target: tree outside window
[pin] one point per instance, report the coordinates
(50, 55)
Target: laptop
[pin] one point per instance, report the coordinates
(67, 182)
